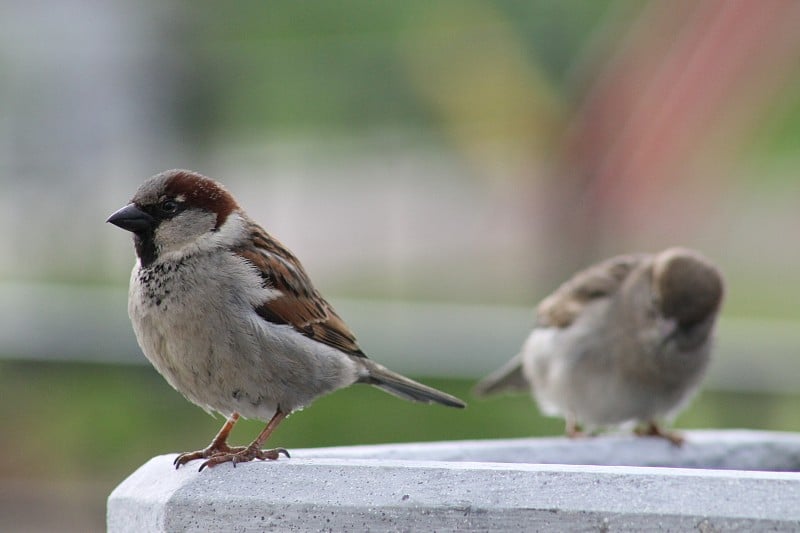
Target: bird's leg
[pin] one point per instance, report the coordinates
(218, 445)
(573, 428)
(652, 429)
(253, 451)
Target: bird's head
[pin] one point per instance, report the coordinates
(687, 286)
(176, 213)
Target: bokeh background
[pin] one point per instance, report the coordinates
(438, 166)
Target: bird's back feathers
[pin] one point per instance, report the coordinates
(602, 280)
(298, 303)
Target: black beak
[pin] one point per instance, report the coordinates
(132, 218)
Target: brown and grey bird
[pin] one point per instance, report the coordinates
(626, 340)
(229, 317)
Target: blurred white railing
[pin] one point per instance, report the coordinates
(68, 323)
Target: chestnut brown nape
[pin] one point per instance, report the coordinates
(690, 288)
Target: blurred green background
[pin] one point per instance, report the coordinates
(439, 167)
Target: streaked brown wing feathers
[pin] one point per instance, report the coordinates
(299, 305)
(601, 280)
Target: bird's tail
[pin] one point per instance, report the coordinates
(405, 388)
(508, 377)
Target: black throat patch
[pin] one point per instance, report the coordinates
(146, 249)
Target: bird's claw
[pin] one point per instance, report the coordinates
(654, 430)
(244, 455)
(205, 453)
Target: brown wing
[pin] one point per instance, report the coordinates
(299, 305)
(598, 281)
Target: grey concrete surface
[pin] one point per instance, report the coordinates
(724, 450)
(440, 486)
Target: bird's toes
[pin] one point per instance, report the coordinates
(206, 453)
(243, 455)
(272, 455)
(654, 430)
(184, 458)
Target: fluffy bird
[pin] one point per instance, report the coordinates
(229, 317)
(626, 340)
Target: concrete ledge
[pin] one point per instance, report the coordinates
(722, 450)
(362, 488)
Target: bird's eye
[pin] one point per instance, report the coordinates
(169, 206)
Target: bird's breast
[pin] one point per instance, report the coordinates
(197, 325)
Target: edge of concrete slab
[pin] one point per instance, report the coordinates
(409, 487)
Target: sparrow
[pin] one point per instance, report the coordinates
(626, 340)
(230, 318)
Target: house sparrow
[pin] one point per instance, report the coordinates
(628, 339)
(230, 318)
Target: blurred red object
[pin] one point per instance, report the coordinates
(682, 73)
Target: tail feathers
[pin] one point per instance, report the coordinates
(405, 388)
(508, 377)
